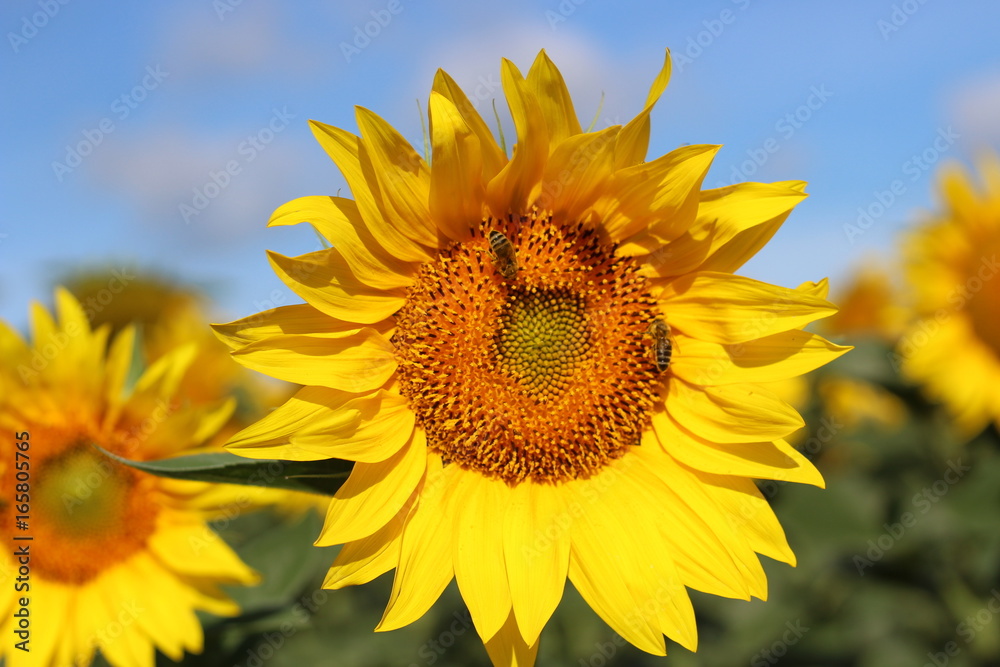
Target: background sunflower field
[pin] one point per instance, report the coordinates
(146, 145)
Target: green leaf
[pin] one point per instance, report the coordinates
(225, 468)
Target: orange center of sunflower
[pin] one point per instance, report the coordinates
(86, 512)
(545, 374)
(982, 287)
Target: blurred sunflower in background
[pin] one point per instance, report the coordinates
(543, 367)
(953, 347)
(870, 306)
(167, 315)
(119, 560)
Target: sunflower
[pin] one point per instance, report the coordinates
(106, 557)
(167, 315)
(543, 367)
(953, 348)
(870, 307)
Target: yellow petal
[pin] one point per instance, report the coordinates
(723, 308)
(694, 508)
(546, 82)
(340, 223)
(776, 357)
(604, 571)
(493, 157)
(426, 563)
(357, 361)
(536, 554)
(193, 549)
(374, 493)
(761, 460)
(731, 413)
(363, 560)
(749, 514)
(56, 603)
(703, 560)
(657, 201)
(118, 366)
(456, 191)
(163, 376)
(508, 649)
(724, 213)
(819, 289)
(323, 279)
(633, 141)
(479, 506)
(300, 319)
(320, 423)
(70, 312)
(577, 172)
(518, 184)
(100, 614)
(733, 254)
(345, 150)
(657, 582)
(403, 177)
(174, 626)
(311, 410)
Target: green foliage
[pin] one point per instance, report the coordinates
(225, 468)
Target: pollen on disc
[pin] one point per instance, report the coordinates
(546, 375)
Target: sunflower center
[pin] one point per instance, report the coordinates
(88, 511)
(540, 372)
(983, 290)
(543, 337)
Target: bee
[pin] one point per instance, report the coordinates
(502, 254)
(662, 347)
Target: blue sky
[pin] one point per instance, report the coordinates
(165, 98)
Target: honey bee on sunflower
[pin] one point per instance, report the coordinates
(487, 403)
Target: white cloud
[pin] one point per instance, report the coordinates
(196, 189)
(975, 107)
(251, 39)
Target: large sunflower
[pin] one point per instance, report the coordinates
(953, 348)
(97, 555)
(489, 339)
